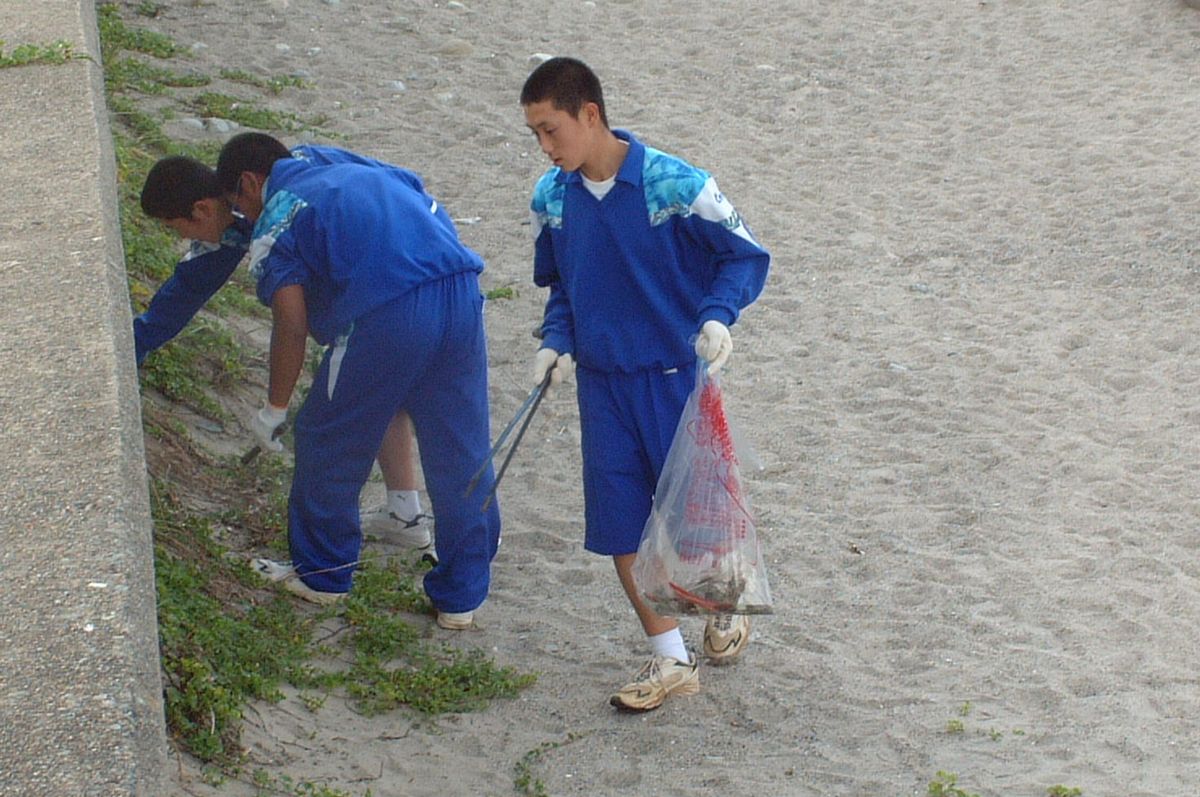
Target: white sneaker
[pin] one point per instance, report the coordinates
(725, 637)
(456, 621)
(285, 573)
(272, 570)
(409, 533)
(659, 677)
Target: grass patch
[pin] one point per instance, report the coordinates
(945, 784)
(223, 640)
(204, 357)
(127, 73)
(115, 36)
(249, 114)
(395, 665)
(507, 292)
(274, 85)
(58, 52)
(525, 779)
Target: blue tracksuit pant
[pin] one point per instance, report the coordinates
(424, 352)
(627, 422)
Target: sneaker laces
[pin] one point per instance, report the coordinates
(651, 671)
(723, 623)
(410, 524)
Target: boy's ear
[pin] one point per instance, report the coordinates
(589, 113)
(201, 210)
(252, 182)
(208, 208)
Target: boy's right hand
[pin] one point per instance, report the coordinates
(714, 344)
(265, 424)
(563, 366)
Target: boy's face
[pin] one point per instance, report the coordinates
(566, 139)
(209, 219)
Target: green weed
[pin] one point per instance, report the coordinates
(202, 357)
(216, 654)
(525, 780)
(115, 36)
(395, 665)
(169, 371)
(132, 74)
(945, 784)
(507, 292)
(58, 52)
(274, 85)
(238, 297)
(246, 113)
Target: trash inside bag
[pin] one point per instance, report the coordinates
(699, 552)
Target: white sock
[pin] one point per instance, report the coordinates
(670, 643)
(404, 504)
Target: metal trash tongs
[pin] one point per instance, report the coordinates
(526, 410)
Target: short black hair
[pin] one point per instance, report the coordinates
(248, 152)
(567, 83)
(174, 185)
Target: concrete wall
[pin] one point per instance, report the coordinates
(80, 691)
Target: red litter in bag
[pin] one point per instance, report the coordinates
(699, 552)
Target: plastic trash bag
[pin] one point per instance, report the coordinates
(699, 553)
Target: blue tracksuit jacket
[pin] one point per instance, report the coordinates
(357, 234)
(634, 276)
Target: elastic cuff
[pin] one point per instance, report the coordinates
(722, 314)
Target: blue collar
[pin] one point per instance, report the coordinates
(631, 168)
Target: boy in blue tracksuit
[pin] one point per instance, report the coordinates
(358, 255)
(642, 254)
(184, 195)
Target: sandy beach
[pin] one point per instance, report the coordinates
(972, 381)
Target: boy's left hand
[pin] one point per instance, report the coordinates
(265, 424)
(714, 344)
(560, 366)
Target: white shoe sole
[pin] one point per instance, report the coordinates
(455, 621)
(300, 589)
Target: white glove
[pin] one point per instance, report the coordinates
(265, 424)
(563, 366)
(714, 344)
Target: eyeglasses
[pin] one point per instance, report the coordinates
(234, 197)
